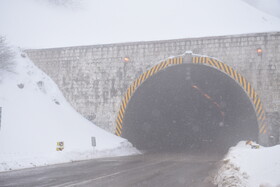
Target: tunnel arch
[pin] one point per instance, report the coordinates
(202, 60)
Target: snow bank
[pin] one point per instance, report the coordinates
(247, 167)
(35, 116)
(43, 24)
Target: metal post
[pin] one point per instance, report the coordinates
(93, 142)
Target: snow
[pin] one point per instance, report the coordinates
(271, 7)
(43, 24)
(35, 116)
(247, 167)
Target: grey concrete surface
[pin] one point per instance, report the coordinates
(147, 170)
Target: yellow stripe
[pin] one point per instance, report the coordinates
(129, 91)
(240, 79)
(180, 60)
(117, 133)
(120, 119)
(153, 70)
(209, 61)
(262, 128)
(263, 118)
(126, 98)
(143, 77)
(139, 80)
(245, 83)
(221, 65)
(158, 67)
(170, 61)
(148, 74)
(258, 102)
(121, 111)
(175, 61)
(226, 69)
(162, 64)
(261, 115)
(252, 92)
(133, 88)
(255, 98)
(200, 59)
(235, 75)
(255, 95)
(118, 130)
(217, 64)
(118, 126)
(166, 64)
(231, 72)
(249, 88)
(124, 104)
(203, 60)
(259, 110)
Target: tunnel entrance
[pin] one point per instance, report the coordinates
(190, 107)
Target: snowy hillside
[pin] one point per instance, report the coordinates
(48, 23)
(271, 7)
(247, 167)
(35, 116)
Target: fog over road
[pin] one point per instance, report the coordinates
(151, 169)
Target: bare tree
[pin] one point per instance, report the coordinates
(6, 56)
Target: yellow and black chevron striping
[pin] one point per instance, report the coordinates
(137, 83)
(243, 83)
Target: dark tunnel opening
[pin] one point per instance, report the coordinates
(189, 107)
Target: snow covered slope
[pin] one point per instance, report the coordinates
(35, 116)
(47, 23)
(247, 167)
(271, 7)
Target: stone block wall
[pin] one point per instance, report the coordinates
(94, 78)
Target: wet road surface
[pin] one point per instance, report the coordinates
(154, 169)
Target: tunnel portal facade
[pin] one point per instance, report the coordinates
(94, 79)
(235, 111)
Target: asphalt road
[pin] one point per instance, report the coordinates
(156, 169)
